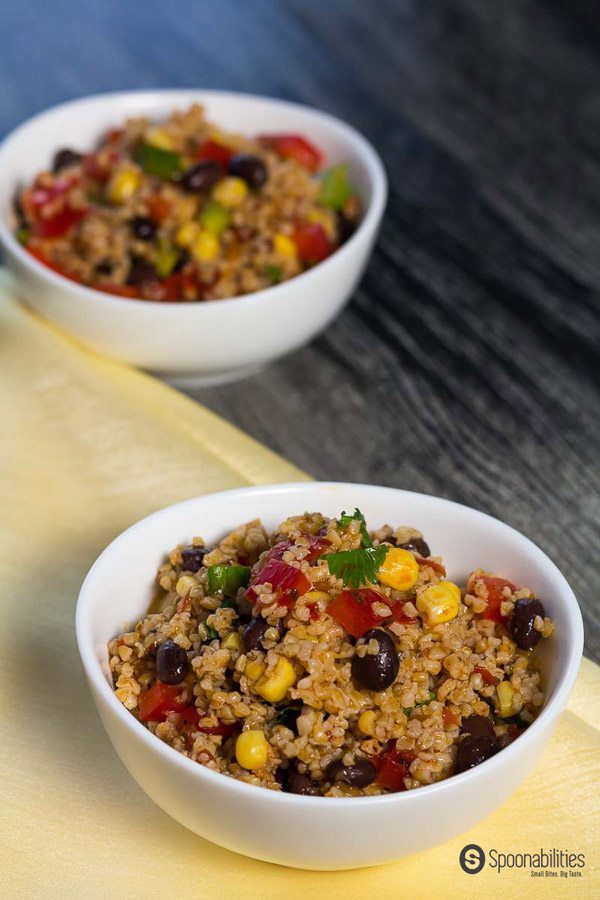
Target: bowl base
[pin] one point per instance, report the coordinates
(189, 380)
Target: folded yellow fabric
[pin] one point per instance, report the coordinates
(88, 447)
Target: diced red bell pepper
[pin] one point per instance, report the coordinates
(113, 135)
(158, 701)
(287, 581)
(312, 242)
(353, 609)
(449, 718)
(486, 675)
(97, 169)
(313, 612)
(294, 146)
(189, 721)
(215, 151)
(495, 595)
(222, 729)
(436, 566)
(398, 614)
(158, 208)
(58, 224)
(317, 547)
(394, 767)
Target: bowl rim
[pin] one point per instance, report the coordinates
(95, 675)
(368, 223)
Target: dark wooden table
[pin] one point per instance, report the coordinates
(467, 363)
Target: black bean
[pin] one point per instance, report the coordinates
(346, 228)
(417, 545)
(201, 176)
(104, 267)
(521, 623)
(359, 775)
(171, 663)
(478, 726)
(474, 750)
(295, 783)
(193, 557)
(143, 228)
(250, 168)
(65, 158)
(376, 671)
(182, 260)
(140, 273)
(254, 632)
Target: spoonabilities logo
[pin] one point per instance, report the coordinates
(472, 859)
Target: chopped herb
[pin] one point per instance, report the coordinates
(286, 716)
(274, 274)
(409, 709)
(356, 567)
(346, 518)
(23, 235)
(211, 633)
(227, 579)
(156, 161)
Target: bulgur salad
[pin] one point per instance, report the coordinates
(325, 659)
(181, 210)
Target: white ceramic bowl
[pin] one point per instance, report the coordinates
(195, 342)
(318, 832)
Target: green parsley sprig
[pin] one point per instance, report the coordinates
(346, 518)
(356, 567)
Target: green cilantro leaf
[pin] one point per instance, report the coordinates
(356, 567)
(211, 633)
(345, 519)
(409, 709)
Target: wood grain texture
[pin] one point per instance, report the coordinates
(467, 363)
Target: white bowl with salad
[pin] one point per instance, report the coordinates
(129, 235)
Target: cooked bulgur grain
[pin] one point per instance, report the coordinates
(285, 661)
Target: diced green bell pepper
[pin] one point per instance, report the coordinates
(227, 579)
(335, 187)
(156, 161)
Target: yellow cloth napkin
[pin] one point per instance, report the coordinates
(88, 447)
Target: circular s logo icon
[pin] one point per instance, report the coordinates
(472, 859)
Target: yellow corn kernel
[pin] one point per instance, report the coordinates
(275, 686)
(205, 246)
(506, 693)
(439, 603)
(254, 669)
(366, 723)
(230, 191)
(233, 641)
(284, 246)
(185, 209)
(252, 749)
(399, 570)
(186, 234)
(323, 218)
(158, 137)
(315, 596)
(185, 584)
(124, 185)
